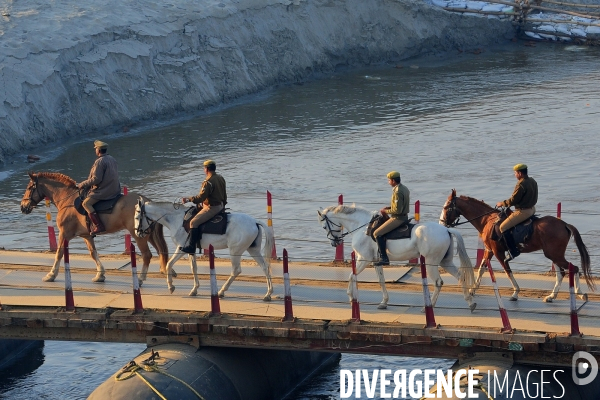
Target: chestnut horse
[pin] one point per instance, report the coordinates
(550, 234)
(62, 191)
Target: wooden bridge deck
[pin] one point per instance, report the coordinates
(104, 312)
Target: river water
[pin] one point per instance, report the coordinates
(453, 123)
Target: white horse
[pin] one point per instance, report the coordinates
(243, 234)
(429, 239)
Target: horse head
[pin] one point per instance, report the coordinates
(332, 228)
(33, 196)
(139, 217)
(450, 213)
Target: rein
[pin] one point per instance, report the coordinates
(151, 222)
(37, 190)
(452, 207)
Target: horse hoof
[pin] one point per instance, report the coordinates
(140, 282)
(423, 310)
(472, 307)
(49, 278)
(584, 297)
(382, 306)
(99, 278)
(513, 298)
(171, 289)
(194, 292)
(548, 299)
(221, 294)
(267, 297)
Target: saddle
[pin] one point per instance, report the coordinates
(401, 232)
(217, 225)
(520, 233)
(101, 207)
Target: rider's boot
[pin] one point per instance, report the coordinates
(192, 239)
(383, 257)
(98, 226)
(513, 251)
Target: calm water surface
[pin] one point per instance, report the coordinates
(460, 123)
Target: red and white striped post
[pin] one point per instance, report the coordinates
(339, 249)
(127, 235)
(506, 328)
(417, 218)
(51, 232)
(355, 305)
(215, 306)
(69, 302)
(480, 251)
(574, 316)
(270, 223)
(289, 312)
(137, 295)
(558, 215)
(429, 317)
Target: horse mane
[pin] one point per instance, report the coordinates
(342, 209)
(480, 202)
(58, 177)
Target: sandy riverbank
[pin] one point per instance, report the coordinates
(75, 68)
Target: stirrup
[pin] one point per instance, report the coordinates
(382, 262)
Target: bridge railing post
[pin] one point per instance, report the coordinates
(417, 219)
(355, 305)
(339, 249)
(506, 327)
(289, 312)
(480, 251)
(127, 235)
(270, 223)
(137, 295)
(51, 232)
(574, 317)
(429, 316)
(69, 301)
(215, 306)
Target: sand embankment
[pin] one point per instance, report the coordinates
(70, 68)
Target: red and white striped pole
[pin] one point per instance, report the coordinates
(355, 305)
(417, 218)
(69, 302)
(480, 251)
(51, 232)
(558, 215)
(137, 295)
(339, 249)
(270, 223)
(506, 328)
(574, 316)
(127, 235)
(215, 306)
(289, 312)
(429, 317)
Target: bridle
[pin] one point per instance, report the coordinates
(140, 232)
(452, 207)
(34, 187)
(339, 229)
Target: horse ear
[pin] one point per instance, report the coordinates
(319, 212)
(453, 192)
(30, 173)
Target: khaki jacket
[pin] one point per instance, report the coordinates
(103, 180)
(400, 204)
(212, 192)
(524, 196)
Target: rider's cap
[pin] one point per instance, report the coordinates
(519, 167)
(393, 174)
(209, 162)
(100, 144)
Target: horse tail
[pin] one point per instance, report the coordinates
(466, 267)
(157, 239)
(269, 240)
(585, 257)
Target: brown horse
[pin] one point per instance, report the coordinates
(61, 190)
(550, 234)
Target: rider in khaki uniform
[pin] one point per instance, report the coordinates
(397, 211)
(213, 197)
(103, 183)
(524, 199)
